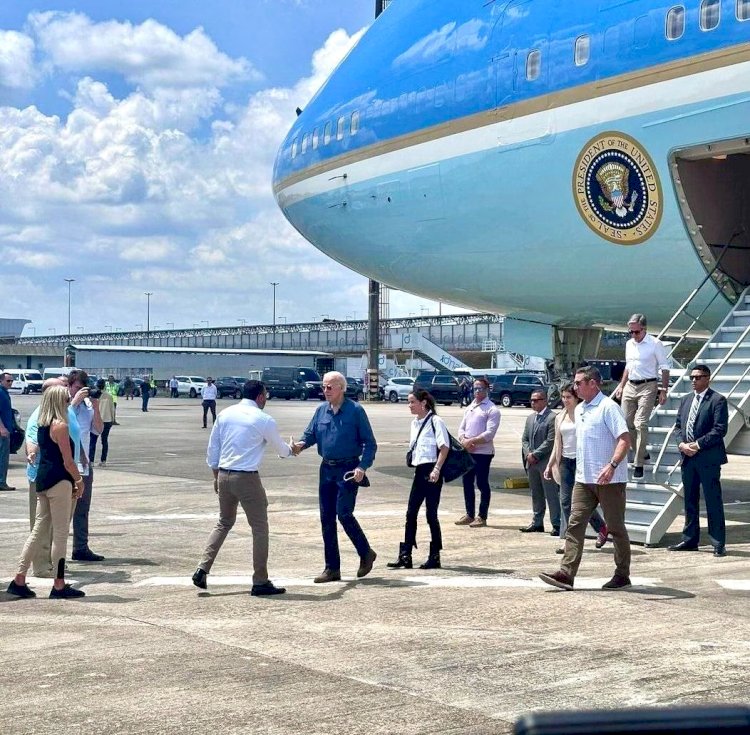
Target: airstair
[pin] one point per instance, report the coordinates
(431, 353)
(654, 503)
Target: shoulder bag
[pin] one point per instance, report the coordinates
(410, 453)
(458, 462)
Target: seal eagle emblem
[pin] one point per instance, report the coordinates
(617, 189)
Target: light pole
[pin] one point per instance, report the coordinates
(81, 328)
(170, 325)
(139, 326)
(205, 321)
(148, 294)
(69, 281)
(243, 322)
(284, 318)
(274, 284)
(53, 330)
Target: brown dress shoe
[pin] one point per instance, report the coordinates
(366, 562)
(478, 522)
(328, 575)
(465, 521)
(558, 579)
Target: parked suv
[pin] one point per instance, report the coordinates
(398, 389)
(512, 388)
(354, 389)
(443, 387)
(230, 386)
(193, 385)
(292, 382)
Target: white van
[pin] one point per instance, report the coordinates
(26, 381)
(56, 372)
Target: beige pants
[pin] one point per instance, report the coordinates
(245, 489)
(637, 404)
(53, 509)
(41, 563)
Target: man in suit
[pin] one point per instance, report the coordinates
(701, 426)
(536, 448)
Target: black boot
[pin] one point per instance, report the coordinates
(433, 560)
(404, 558)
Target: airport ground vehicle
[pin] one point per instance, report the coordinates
(193, 385)
(398, 389)
(443, 387)
(513, 388)
(292, 382)
(25, 381)
(230, 386)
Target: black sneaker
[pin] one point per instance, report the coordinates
(638, 473)
(267, 588)
(199, 578)
(87, 555)
(20, 590)
(67, 592)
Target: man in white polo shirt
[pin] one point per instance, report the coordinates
(602, 441)
(645, 359)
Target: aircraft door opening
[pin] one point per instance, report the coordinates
(713, 186)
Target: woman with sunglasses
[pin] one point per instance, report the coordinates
(477, 433)
(562, 466)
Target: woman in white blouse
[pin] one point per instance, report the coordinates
(429, 447)
(562, 466)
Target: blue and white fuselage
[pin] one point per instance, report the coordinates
(569, 163)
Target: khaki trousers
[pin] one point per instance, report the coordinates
(245, 489)
(41, 563)
(53, 511)
(637, 404)
(585, 499)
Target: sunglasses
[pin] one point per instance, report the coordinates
(635, 331)
(698, 377)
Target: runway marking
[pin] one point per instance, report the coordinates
(163, 517)
(734, 584)
(456, 582)
(14, 520)
(399, 513)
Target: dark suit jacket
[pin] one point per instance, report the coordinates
(538, 437)
(710, 427)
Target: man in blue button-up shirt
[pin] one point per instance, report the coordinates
(342, 431)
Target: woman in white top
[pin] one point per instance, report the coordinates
(562, 465)
(429, 447)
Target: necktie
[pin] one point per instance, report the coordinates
(691, 418)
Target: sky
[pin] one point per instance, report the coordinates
(137, 142)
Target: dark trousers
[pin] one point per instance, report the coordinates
(209, 405)
(481, 475)
(337, 500)
(695, 476)
(173, 393)
(544, 493)
(81, 514)
(145, 395)
(567, 480)
(105, 443)
(424, 491)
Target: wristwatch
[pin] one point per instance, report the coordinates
(613, 464)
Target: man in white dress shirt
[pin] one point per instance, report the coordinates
(235, 451)
(645, 358)
(209, 394)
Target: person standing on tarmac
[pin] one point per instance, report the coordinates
(112, 387)
(209, 395)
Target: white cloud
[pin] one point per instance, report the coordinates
(149, 54)
(16, 60)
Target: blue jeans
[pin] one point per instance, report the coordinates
(567, 480)
(337, 500)
(4, 458)
(81, 514)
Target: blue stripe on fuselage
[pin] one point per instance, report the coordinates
(427, 62)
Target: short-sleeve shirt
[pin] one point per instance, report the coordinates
(431, 439)
(599, 424)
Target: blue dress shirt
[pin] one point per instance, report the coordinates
(341, 435)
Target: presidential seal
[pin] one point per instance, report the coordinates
(617, 189)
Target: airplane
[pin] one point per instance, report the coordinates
(568, 163)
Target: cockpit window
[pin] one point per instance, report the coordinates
(294, 148)
(743, 9)
(710, 14)
(583, 50)
(533, 65)
(675, 23)
(327, 133)
(355, 122)
(341, 128)
(315, 138)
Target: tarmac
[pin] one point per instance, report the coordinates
(465, 649)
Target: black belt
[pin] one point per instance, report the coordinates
(337, 462)
(242, 472)
(641, 382)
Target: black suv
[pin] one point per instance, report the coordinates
(230, 386)
(443, 387)
(292, 382)
(354, 389)
(512, 388)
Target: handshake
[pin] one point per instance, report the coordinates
(296, 447)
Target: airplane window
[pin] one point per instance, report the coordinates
(710, 14)
(341, 128)
(533, 65)
(305, 141)
(675, 23)
(355, 122)
(315, 138)
(583, 50)
(294, 148)
(327, 133)
(743, 9)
